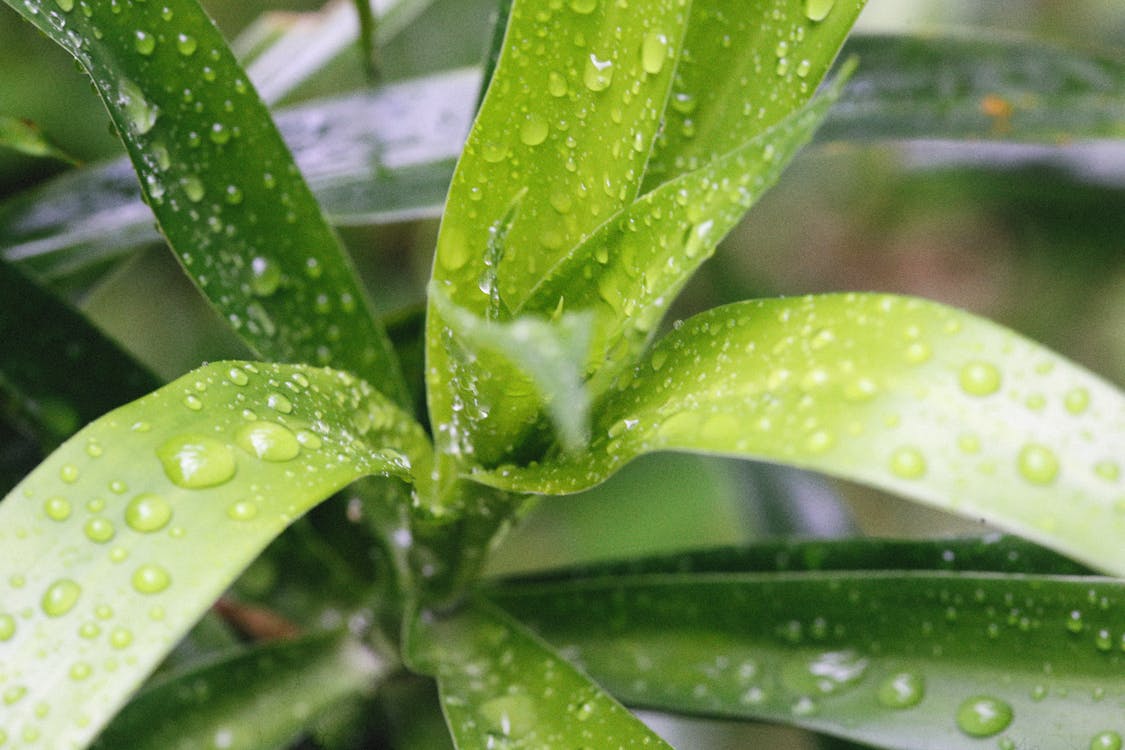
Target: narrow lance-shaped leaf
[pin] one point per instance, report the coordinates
(260, 698)
(24, 136)
(115, 545)
(919, 661)
(51, 354)
(569, 126)
(224, 188)
(501, 686)
(934, 404)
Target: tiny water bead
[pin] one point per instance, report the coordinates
(983, 716)
(80, 671)
(151, 579)
(147, 513)
(196, 462)
(1038, 464)
(57, 508)
(243, 510)
(268, 441)
(99, 530)
(901, 690)
(980, 378)
(60, 597)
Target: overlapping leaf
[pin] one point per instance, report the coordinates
(116, 544)
(502, 686)
(224, 188)
(905, 660)
(926, 401)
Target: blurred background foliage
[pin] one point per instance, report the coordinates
(1031, 236)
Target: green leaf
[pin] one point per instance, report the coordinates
(117, 543)
(993, 553)
(51, 355)
(224, 188)
(900, 660)
(261, 697)
(978, 86)
(370, 157)
(24, 136)
(929, 402)
(744, 67)
(501, 684)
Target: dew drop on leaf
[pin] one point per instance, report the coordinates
(534, 130)
(144, 42)
(908, 463)
(598, 74)
(279, 403)
(121, 638)
(60, 597)
(193, 188)
(238, 376)
(583, 7)
(265, 276)
(901, 690)
(147, 513)
(196, 462)
(1109, 740)
(186, 44)
(69, 473)
(654, 51)
(80, 670)
(243, 510)
(140, 115)
(1038, 464)
(1076, 400)
(99, 530)
(65, 5)
(980, 378)
(818, 10)
(268, 441)
(57, 508)
(7, 627)
(983, 716)
(151, 579)
(509, 715)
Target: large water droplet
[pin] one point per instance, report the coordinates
(279, 403)
(268, 441)
(265, 276)
(60, 597)
(186, 44)
(534, 130)
(901, 690)
(980, 378)
(983, 716)
(598, 74)
(151, 579)
(139, 113)
(147, 513)
(144, 42)
(193, 188)
(1038, 464)
(1109, 740)
(654, 52)
(57, 508)
(195, 461)
(65, 5)
(818, 10)
(509, 715)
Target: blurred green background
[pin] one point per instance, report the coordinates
(1030, 238)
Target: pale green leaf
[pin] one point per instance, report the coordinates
(913, 661)
(24, 136)
(262, 697)
(222, 184)
(501, 684)
(124, 536)
(929, 402)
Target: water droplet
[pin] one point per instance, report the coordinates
(493, 152)
(908, 462)
(983, 716)
(509, 715)
(7, 627)
(1103, 640)
(151, 579)
(192, 402)
(534, 130)
(265, 276)
(65, 5)
(1109, 740)
(186, 44)
(598, 74)
(218, 133)
(14, 694)
(583, 6)
(79, 671)
(901, 690)
(99, 530)
(69, 473)
(308, 439)
(279, 403)
(232, 195)
(1076, 400)
(980, 378)
(268, 441)
(818, 10)
(243, 510)
(195, 462)
(147, 513)
(1038, 464)
(654, 51)
(60, 597)
(120, 638)
(57, 508)
(1108, 470)
(144, 42)
(556, 84)
(803, 69)
(238, 376)
(193, 188)
(1074, 621)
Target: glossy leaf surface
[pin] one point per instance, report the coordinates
(222, 184)
(923, 400)
(501, 686)
(124, 536)
(260, 698)
(912, 661)
(51, 354)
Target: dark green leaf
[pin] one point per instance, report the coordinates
(125, 535)
(932, 403)
(259, 698)
(222, 184)
(922, 661)
(502, 686)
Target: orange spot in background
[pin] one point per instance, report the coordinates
(999, 109)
